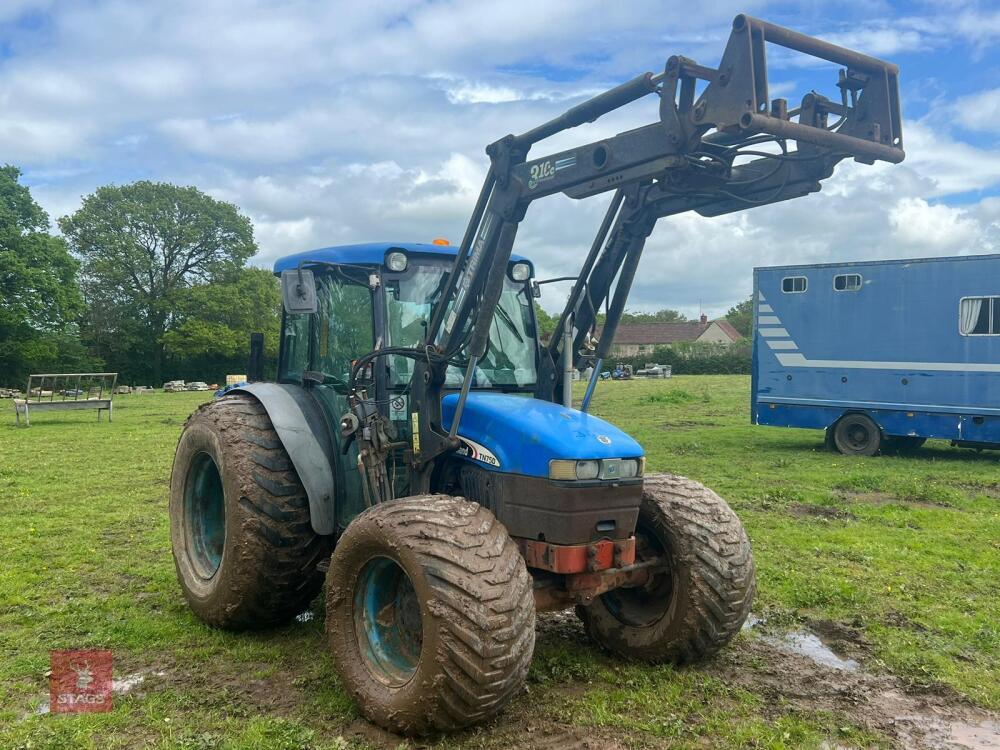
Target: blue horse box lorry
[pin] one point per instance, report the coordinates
(880, 354)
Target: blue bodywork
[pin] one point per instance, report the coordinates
(369, 253)
(892, 349)
(524, 434)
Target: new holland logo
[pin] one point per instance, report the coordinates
(478, 452)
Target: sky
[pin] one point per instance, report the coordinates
(339, 122)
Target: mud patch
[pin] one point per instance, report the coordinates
(803, 669)
(681, 425)
(804, 510)
(982, 490)
(884, 498)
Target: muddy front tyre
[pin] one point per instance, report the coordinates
(243, 546)
(700, 596)
(430, 614)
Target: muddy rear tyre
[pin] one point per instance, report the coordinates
(694, 605)
(244, 549)
(430, 614)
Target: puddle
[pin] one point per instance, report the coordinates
(806, 644)
(752, 622)
(939, 733)
(305, 616)
(127, 683)
(121, 686)
(982, 736)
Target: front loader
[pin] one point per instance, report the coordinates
(417, 447)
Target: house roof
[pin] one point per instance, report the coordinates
(669, 333)
(728, 329)
(658, 333)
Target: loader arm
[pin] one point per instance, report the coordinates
(724, 150)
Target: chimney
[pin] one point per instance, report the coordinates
(704, 319)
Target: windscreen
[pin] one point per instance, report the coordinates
(510, 358)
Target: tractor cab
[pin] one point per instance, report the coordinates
(551, 473)
(383, 294)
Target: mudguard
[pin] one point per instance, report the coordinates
(304, 434)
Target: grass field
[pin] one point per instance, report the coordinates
(896, 561)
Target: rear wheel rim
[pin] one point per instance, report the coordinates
(857, 436)
(387, 621)
(644, 606)
(205, 516)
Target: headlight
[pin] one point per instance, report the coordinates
(608, 468)
(396, 261)
(520, 272)
(631, 468)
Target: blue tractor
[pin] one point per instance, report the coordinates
(419, 449)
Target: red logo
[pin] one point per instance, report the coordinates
(80, 681)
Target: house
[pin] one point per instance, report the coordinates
(634, 339)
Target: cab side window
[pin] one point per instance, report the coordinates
(345, 325)
(294, 347)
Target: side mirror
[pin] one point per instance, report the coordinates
(298, 291)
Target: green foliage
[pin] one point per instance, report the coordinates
(212, 324)
(546, 323)
(39, 295)
(699, 358)
(660, 316)
(740, 316)
(142, 246)
(87, 564)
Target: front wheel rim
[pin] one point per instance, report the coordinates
(204, 516)
(388, 622)
(644, 606)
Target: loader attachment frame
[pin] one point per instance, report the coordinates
(723, 150)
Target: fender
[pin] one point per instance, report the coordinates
(303, 433)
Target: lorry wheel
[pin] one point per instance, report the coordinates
(857, 435)
(243, 545)
(695, 604)
(430, 614)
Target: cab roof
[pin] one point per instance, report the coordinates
(369, 253)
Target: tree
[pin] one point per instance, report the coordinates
(213, 322)
(660, 316)
(142, 246)
(740, 316)
(39, 296)
(546, 323)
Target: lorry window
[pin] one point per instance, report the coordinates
(847, 282)
(979, 316)
(794, 284)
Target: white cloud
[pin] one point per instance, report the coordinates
(979, 111)
(344, 122)
(916, 222)
(880, 41)
(482, 93)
